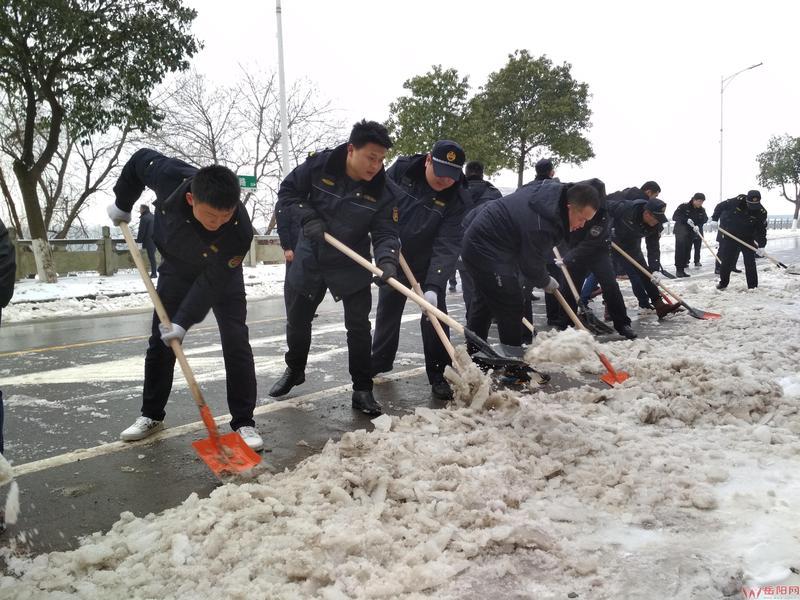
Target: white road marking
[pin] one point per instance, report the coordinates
(112, 447)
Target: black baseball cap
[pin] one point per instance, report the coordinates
(658, 208)
(699, 196)
(448, 158)
(753, 196)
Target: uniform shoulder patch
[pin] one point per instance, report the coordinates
(395, 214)
(596, 230)
(235, 261)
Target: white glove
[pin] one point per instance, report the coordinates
(559, 262)
(176, 333)
(431, 297)
(691, 224)
(118, 215)
(760, 252)
(551, 286)
(656, 278)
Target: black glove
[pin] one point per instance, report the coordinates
(314, 229)
(389, 268)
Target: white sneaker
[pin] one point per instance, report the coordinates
(251, 437)
(141, 428)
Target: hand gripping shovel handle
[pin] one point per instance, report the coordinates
(645, 272)
(567, 276)
(753, 248)
(424, 304)
(437, 326)
(612, 376)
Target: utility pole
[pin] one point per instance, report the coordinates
(285, 164)
(723, 83)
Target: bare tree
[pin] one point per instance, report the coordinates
(239, 126)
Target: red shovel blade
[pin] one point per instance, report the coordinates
(613, 376)
(226, 454)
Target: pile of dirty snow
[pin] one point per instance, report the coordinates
(680, 483)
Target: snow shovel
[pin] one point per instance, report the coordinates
(697, 314)
(590, 321)
(488, 355)
(754, 249)
(612, 376)
(700, 235)
(437, 326)
(222, 453)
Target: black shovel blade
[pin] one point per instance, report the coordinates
(496, 361)
(591, 322)
(700, 314)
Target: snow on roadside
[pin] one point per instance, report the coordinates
(680, 483)
(94, 294)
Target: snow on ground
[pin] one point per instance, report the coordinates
(680, 483)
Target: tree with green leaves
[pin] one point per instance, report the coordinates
(86, 66)
(779, 167)
(533, 106)
(435, 109)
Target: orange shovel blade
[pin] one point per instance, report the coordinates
(613, 376)
(227, 454)
(612, 379)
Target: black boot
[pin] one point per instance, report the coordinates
(364, 401)
(681, 273)
(441, 390)
(627, 332)
(288, 380)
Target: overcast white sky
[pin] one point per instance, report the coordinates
(653, 71)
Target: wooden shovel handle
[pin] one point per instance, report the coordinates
(437, 326)
(197, 395)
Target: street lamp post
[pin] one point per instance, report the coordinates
(724, 81)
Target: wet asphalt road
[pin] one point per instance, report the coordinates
(72, 385)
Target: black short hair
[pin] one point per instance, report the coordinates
(651, 186)
(365, 132)
(216, 186)
(582, 195)
(474, 168)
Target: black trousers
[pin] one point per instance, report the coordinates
(644, 289)
(603, 268)
(497, 297)
(697, 243)
(240, 376)
(386, 338)
(150, 247)
(683, 249)
(729, 254)
(300, 311)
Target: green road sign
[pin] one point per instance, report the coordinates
(247, 182)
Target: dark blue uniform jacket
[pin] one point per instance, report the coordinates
(211, 259)
(516, 233)
(353, 212)
(430, 222)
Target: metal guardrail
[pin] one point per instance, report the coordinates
(711, 226)
(106, 255)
